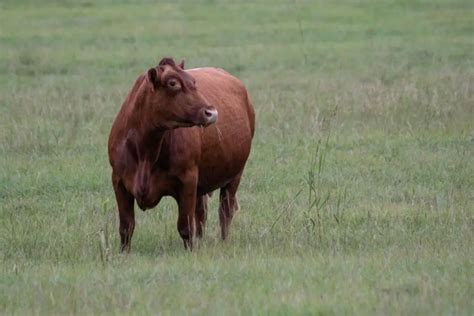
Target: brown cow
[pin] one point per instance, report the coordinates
(167, 141)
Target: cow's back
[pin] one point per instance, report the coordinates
(225, 146)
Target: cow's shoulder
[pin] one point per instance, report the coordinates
(180, 150)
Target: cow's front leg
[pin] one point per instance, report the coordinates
(125, 203)
(187, 208)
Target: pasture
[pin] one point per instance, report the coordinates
(357, 197)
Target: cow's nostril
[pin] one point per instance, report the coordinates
(209, 116)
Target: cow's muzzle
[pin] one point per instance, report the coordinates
(208, 116)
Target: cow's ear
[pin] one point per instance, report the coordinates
(181, 64)
(152, 76)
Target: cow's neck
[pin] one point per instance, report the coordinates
(151, 143)
(150, 136)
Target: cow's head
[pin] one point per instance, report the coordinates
(173, 100)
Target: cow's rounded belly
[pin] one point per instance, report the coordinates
(220, 165)
(207, 184)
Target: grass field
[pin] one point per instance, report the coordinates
(358, 195)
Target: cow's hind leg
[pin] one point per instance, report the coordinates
(228, 205)
(201, 214)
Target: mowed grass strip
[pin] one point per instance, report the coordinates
(358, 195)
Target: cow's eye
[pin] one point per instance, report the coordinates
(174, 84)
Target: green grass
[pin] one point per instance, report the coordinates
(388, 227)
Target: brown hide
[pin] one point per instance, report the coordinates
(166, 141)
